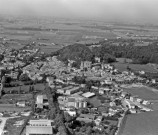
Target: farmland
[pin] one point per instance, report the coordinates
(60, 32)
(143, 92)
(136, 67)
(141, 124)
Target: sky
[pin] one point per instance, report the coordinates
(128, 10)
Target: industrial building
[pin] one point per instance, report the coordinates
(39, 127)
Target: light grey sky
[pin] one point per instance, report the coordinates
(140, 10)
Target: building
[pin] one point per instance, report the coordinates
(87, 118)
(41, 101)
(85, 65)
(72, 91)
(88, 94)
(63, 90)
(21, 104)
(98, 120)
(41, 127)
(50, 80)
(97, 59)
(75, 101)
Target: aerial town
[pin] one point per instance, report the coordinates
(78, 67)
(42, 95)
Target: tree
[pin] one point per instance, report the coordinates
(128, 68)
(3, 80)
(23, 77)
(8, 79)
(62, 131)
(89, 130)
(107, 58)
(19, 90)
(76, 52)
(55, 112)
(3, 73)
(68, 118)
(1, 57)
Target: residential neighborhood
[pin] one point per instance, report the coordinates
(41, 93)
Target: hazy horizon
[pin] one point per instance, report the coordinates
(108, 10)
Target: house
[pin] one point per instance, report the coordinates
(71, 113)
(103, 90)
(145, 102)
(87, 118)
(100, 127)
(85, 65)
(97, 59)
(41, 101)
(153, 81)
(43, 127)
(21, 104)
(108, 82)
(50, 80)
(133, 111)
(13, 75)
(60, 81)
(112, 111)
(72, 91)
(75, 101)
(128, 103)
(142, 72)
(98, 120)
(88, 94)
(123, 94)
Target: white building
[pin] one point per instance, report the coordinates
(43, 127)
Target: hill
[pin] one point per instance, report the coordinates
(77, 52)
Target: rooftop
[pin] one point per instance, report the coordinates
(88, 94)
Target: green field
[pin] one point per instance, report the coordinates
(38, 87)
(95, 101)
(13, 129)
(59, 31)
(135, 67)
(145, 93)
(142, 124)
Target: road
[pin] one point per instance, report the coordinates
(2, 124)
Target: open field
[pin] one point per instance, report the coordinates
(145, 93)
(141, 124)
(135, 67)
(17, 97)
(63, 32)
(12, 99)
(12, 108)
(59, 31)
(95, 101)
(38, 87)
(129, 31)
(12, 128)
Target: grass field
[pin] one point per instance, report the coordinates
(17, 96)
(95, 101)
(13, 129)
(135, 67)
(13, 108)
(145, 93)
(25, 88)
(58, 31)
(13, 98)
(142, 124)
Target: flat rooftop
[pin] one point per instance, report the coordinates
(88, 94)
